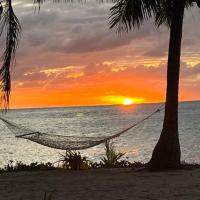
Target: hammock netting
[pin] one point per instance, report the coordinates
(64, 142)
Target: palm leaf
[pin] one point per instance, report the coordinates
(128, 14)
(9, 22)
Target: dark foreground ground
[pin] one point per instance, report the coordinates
(101, 184)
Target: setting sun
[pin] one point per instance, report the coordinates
(121, 100)
(128, 102)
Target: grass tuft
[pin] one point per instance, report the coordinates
(112, 157)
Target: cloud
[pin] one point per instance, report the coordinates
(70, 46)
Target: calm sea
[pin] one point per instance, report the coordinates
(137, 143)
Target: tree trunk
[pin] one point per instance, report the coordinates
(167, 154)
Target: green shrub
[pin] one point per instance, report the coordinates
(19, 166)
(74, 160)
(111, 158)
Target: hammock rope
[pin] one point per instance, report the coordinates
(66, 142)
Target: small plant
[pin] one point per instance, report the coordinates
(73, 160)
(19, 166)
(111, 158)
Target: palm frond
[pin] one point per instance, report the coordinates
(38, 3)
(198, 3)
(190, 3)
(11, 23)
(128, 14)
(164, 13)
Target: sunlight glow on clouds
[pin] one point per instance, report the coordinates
(67, 50)
(51, 71)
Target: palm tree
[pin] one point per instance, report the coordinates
(128, 14)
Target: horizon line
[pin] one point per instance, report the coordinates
(97, 105)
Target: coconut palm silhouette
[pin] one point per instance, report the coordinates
(128, 14)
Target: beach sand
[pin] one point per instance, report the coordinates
(101, 184)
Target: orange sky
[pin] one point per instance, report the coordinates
(65, 59)
(107, 87)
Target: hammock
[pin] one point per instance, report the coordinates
(65, 142)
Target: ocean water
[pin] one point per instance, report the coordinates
(137, 143)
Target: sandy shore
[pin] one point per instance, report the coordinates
(101, 184)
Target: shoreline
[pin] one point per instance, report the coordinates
(101, 184)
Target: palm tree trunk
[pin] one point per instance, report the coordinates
(167, 154)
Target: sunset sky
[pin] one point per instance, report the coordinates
(68, 56)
